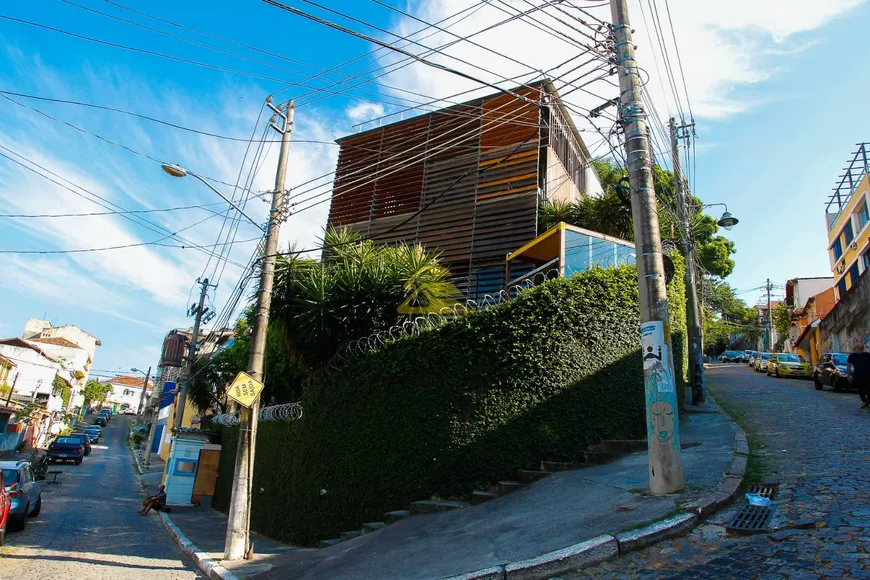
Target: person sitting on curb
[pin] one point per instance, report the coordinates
(156, 501)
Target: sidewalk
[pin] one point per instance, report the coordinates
(564, 521)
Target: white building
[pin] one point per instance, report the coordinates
(34, 373)
(126, 393)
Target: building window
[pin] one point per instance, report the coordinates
(865, 260)
(862, 216)
(848, 234)
(853, 274)
(841, 287)
(185, 467)
(838, 250)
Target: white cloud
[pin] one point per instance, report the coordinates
(365, 111)
(724, 46)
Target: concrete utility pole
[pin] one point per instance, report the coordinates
(191, 353)
(239, 519)
(663, 433)
(697, 396)
(153, 403)
(141, 410)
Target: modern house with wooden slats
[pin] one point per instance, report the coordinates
(467, 181)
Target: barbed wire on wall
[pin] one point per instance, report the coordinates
(283, 412)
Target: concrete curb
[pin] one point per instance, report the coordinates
(610, 547)
(208, 565)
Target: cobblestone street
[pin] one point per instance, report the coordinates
(89, 528)
(816, 445)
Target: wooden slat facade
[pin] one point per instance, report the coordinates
(465, 181)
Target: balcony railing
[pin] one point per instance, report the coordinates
(858, 167)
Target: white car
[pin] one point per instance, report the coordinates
(129, 412)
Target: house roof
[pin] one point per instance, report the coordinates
(20, 342)
(127, 381)
(5, 360)
(57, 341)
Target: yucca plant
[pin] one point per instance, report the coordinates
(357, 289)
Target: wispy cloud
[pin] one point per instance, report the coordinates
(364, 111)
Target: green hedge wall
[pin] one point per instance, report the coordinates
(458, 408)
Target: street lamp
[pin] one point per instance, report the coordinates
(177, 171)
(727, 220)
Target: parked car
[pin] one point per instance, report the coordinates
(761, 362)
(25, 493)
(100, 420)
(5, 504)
(831, 371)
(129, 412)
(93, 434)
(732, 356)
(107, 413)
(66, 449)
(750, 356)
(85, 439)
(786, 364)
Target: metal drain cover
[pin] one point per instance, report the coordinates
(751, 519)
(767, 490)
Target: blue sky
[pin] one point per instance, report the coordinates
(776, 89)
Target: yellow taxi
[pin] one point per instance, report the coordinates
(786, 364)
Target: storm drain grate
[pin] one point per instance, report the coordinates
(767, 490)
(751, 519)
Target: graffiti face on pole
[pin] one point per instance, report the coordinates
(659, 384)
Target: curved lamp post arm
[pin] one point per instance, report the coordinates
(178, 171)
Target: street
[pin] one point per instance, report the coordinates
(89, 527)
(815, 444)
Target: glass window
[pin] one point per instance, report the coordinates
(840, 359)
(862, 216)
(865, 260)
(853, 273)
(838, 249)
(841, 287)
(10, 476)
(790, 358)
(848, 234)
(185, 467)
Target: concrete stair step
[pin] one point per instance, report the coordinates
(370, 527)
(345, 536)
(557, 466)
(506, 487)
(393, 517)
(431, 506)
(328, 543)
(531, 476)
(479, 497)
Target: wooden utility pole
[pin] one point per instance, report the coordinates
(662, 411)
(697, 395)
(239, 520)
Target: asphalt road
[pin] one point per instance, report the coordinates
(89, 528)
(816, 445)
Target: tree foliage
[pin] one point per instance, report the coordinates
(610, 214)
(728, 321)
(781, 321)
(95, 391)
(319, 306)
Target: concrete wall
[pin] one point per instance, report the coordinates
(806, 288)
(35, 372)
(849, 322)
